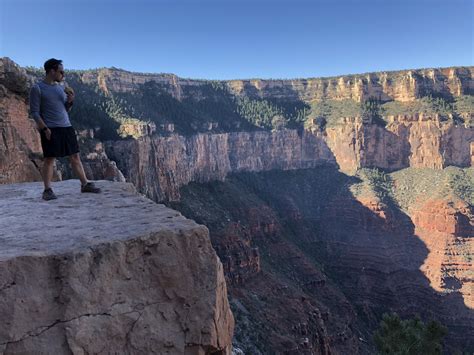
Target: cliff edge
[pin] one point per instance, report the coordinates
(107, 273)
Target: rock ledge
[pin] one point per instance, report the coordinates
(106, 273)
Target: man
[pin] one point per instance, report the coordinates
(49, 106)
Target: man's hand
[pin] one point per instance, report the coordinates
(47, 133)
(43, 128)
(70, 94)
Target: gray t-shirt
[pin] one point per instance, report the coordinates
(49, 103)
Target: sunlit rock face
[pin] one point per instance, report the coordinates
(419, 141)
(112, 272)
(159, 166)
(447, 228)
(20, 144)
(404, 86)
(310, 266)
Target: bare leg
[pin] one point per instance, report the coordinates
(76, 165)
(48, 168)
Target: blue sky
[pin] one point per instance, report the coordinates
(231, 39)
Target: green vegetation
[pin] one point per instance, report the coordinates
(373, 182)
(409, 186)
(328, 113)
(409, 337)
(92, 109)
(208, 103)
(211, 106)
(273, 114)
(333, 110)
(447, 109)
(415, 185)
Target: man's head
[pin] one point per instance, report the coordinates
(54, 69)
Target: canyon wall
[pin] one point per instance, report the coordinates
(420, 141)
(159, 166)
(420, 263)
(366, 247)
(20, 145)
(405, 85)
(305, 235)
(447, 229)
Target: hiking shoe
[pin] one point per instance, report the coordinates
(48, 194)
(90, 187)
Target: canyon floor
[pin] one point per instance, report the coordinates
(314, 257)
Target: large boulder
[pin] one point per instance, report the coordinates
(106, 273)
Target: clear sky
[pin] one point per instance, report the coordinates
(237, 39)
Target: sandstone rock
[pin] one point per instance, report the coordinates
(13, 77)
(19, 140)
(419, 141)
(95, 161)
(106, 273)
(447, 228)
(158, 166)
(404, 85)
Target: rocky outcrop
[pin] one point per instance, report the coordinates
(136, 129)
(19, 141)
(420, 141)
(95, 161)
(405, 85)
(381, 256)
(76, 278)
(447, 229)
(158, 166)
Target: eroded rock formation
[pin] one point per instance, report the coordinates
(108, 273)
(159, 166)
(380, 257)
(447, 228)
(420, 141)
(402, 86)
(311, 267)
(19, 142)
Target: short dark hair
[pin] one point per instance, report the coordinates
(52, 64)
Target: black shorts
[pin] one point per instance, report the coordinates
(63, 142)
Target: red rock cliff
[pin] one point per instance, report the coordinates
(405, 85)
(19, 140)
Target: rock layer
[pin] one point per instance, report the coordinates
(159, 166)
(77, 278)
(19, 141)
(419, 141)
(447, 228)
(405, 85)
